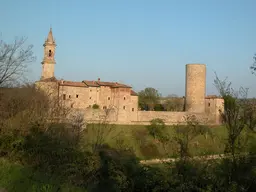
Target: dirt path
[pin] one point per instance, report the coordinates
(167, 160)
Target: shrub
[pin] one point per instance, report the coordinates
(95, 106)
(156, 128)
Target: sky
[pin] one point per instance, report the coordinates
(142, 43)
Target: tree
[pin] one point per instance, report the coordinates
(174, 104)
(13, 61)
(253, 66)
(238, 114)
(148, 98)
(184, 134)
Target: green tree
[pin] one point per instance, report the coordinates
(148, 98)
(174, 104)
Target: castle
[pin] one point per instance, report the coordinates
(94, 98)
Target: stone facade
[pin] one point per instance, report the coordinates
(118, 103)
(195, 88)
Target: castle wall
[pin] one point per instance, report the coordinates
(213, 106)
(171, 117)
(49, 88)
(134, 108)
(74, 97)
(144, 117)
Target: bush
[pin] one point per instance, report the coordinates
(95, 106)
(156, 128)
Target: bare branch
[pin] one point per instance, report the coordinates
(14, 59)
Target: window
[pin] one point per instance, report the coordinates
(72, 105)
(90, 90)
(76, 96)
(209, 104)
(50, 53)
(124, 98)
(108, 98)
(132, 109)
(64, 96)
(69, 96)
(90, 97)
(123, 107)
(104, 107)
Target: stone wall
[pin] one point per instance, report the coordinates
(171, 117)
(143, 117)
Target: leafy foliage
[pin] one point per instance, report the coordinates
(95, 106)
(148, 98)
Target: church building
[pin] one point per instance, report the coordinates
(87, 94)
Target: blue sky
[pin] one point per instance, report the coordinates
(139, 42)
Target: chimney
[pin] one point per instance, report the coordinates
(98, 79)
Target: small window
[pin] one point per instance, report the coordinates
(108, 98)
(124, 98)
(132, 109)
(90, 90)
(90, 97)
(104, 107)
(64, 96)
(50, 53)
(69, 96)
(76, 96)
(209, 104)
(123, 107)
(72, 105)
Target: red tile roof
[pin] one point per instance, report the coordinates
(98, 83)
(72, 83)
(91, 83)
(103, 83)
(212, 97)
(134, 93)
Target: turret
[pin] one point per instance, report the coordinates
(48, 60)
(195, 88)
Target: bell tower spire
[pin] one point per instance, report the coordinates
(48, 60)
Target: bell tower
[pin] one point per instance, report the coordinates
(48, 60)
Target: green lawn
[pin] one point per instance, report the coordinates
(137, 138)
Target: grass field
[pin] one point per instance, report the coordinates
(144, 146)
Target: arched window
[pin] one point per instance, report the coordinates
(50, 53)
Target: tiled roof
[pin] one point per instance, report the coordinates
(72, 83)
(212, 97)
(103, 83)
(134, 93)
(91, 83)
(86, 83)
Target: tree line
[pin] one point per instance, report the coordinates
(151, 100)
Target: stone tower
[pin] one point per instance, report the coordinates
(48, 60)
(195, 88)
